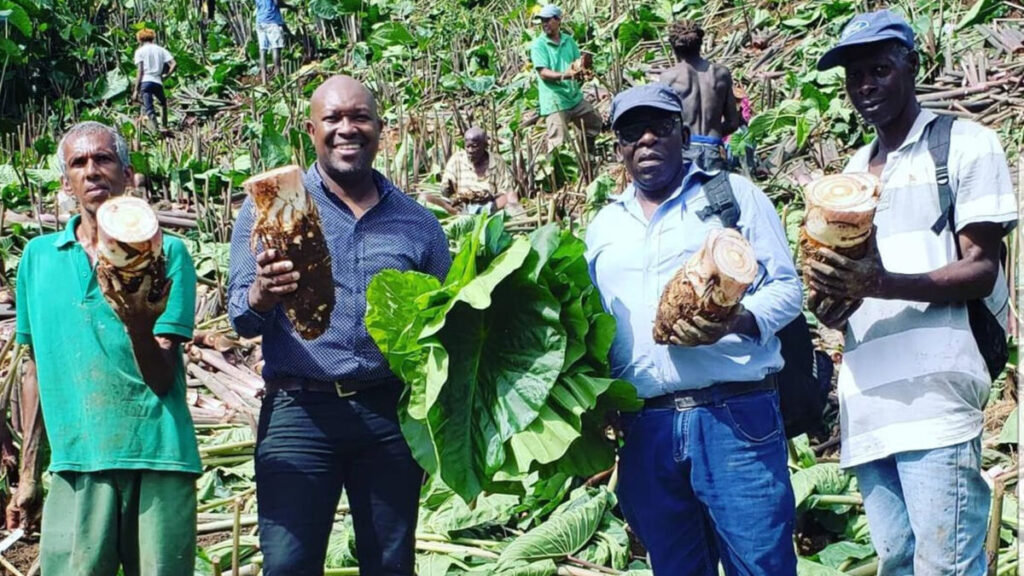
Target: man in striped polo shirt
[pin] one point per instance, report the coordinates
(913, 382)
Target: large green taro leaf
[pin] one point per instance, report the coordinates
(502, 364)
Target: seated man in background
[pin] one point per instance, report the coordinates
(475, 180)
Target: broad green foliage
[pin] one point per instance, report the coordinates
(506, 361)
(567, 531)
(824, 478)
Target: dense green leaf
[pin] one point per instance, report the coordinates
(275, 150)
(837, 553)
(538, 568)
(390, 33)
(563, 534)
(503, 363)
(16, 16)
(805, 567)
(825, 478)
(454, 514)
(979, 13)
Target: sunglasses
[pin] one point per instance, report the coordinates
(633, 132)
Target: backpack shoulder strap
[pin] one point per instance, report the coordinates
(721, 200)
(938, 145)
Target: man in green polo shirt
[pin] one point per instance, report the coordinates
(112, 387)
(561, 100)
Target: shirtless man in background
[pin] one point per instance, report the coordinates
(709, 106)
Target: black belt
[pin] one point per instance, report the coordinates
(343, 388)
(686, 399)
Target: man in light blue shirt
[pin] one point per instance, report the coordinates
(703, 475)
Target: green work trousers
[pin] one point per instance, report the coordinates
(143, 520)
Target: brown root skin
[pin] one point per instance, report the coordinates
(131, 280)
(309, 307)
(809, 248)
(680, 300)
(287, 221)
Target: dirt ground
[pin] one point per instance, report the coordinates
(21, 555)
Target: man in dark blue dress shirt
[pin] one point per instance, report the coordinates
(329, 418)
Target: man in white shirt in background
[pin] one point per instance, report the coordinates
(150, 59)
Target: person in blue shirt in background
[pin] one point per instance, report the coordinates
(703, 475)
(270, 31)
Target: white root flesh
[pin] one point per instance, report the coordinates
(841, 211)
(710, 284)
(287, 220)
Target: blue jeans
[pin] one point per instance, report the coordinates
(310, 445)
(928, 511)
(710, 484)
(151, 90)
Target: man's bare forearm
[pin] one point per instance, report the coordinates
(552, 76)
(957, 282)
(31, 466)
(968, 278)
(157, 360)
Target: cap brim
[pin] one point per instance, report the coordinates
(659, 105)
(834, 57)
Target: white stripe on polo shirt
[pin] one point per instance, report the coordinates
(912, 376)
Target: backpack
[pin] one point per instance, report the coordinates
(987, 331)
(806, 376)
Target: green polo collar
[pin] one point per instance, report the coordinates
(67, 237)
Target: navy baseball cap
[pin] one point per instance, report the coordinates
(660, 96)
(550, 11)
(867, 29)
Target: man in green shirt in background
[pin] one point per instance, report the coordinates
(561, 100)
(112, 388)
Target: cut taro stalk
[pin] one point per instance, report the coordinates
(130, 253)
(287, 220)
(709, 285)
(840, 214)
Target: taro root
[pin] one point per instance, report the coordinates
(709, 285)
(287, 220)
(583, 64)
(130, 250)
(840, 212)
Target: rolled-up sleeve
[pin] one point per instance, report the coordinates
(241, 274)
(779, 297)
(23, 326)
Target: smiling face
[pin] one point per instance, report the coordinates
(94, 171)
(344, 127)
(650, 144)
(880, 81)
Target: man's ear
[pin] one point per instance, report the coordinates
(684, 132)
(618, 152)
(914, 62)
(310, 128)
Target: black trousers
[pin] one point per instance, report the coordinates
(149, 91)
(310, 446)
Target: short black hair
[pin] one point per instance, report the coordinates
(685, 37)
